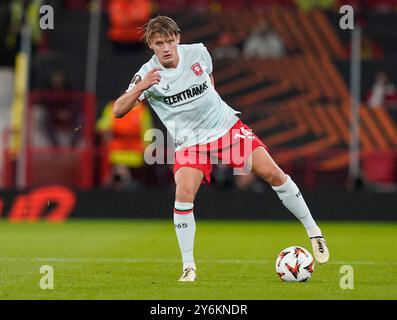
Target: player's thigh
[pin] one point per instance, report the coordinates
(265, 167)
(187, 181)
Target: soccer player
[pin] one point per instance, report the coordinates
(177, 82)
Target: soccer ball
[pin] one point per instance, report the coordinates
(294, 264)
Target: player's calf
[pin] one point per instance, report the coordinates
(292, 199)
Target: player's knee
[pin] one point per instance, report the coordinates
(274, 176)
(184, 193)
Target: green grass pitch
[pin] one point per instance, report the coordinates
(140, 259)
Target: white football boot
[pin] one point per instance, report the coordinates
(188, 275)
(320, 249)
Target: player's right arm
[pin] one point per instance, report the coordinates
(130, 99)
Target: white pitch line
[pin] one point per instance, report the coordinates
(143, 260)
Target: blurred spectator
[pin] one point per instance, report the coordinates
(62, 112)
(383, 92)
(21, 12)
(225, 48)
(126, 17)
(124, 141)
(263, 42)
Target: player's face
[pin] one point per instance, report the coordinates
(165, 48)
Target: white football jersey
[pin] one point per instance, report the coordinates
(185, 99)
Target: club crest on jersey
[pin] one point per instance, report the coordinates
(197, 69)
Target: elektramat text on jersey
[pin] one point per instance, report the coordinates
(187, 94)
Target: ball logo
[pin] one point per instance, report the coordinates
(197, 69)
(181, 225)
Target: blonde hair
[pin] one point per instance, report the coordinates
(163, 25)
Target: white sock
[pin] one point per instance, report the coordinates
(292, 199)
(185, 228)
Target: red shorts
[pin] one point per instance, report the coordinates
(232, 149)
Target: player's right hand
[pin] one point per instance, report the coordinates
(151, 78)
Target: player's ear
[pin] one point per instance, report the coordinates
(178, 38)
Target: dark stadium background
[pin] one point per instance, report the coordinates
(323, 98)
(299, 103)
